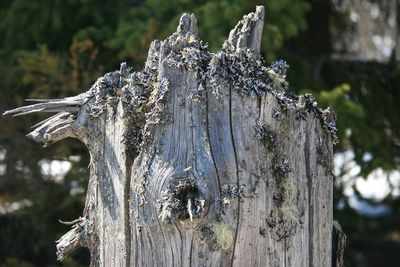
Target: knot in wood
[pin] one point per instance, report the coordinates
(182, 201)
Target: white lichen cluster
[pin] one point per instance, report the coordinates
(194, 56)
(229, 192)
(245, 71)
(181, 201)
(265, 134)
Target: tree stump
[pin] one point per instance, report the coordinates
(200, 159)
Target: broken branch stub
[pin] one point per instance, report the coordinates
(200, 159)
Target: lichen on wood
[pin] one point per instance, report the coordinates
(181, 201)
(265, 134)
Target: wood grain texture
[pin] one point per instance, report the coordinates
(200, 159)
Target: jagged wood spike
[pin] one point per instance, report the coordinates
(70, 222)
(43, 107)
(60, 115)
(187, 23)
(72, 240)
(58, 134)
(42, 100)
(23, 113)
(53, 127)
(248, 32)
(71, 109)
(51, 105)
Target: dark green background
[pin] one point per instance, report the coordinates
(55, 48)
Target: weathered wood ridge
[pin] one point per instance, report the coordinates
(201, 159)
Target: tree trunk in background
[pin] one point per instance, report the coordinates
(372, 31)
(201, 159)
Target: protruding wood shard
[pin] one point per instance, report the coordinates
(248, 32)
(72, 240)
(200, 159)
(339, 244)
(187, 23)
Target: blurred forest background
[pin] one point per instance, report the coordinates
(345, 52)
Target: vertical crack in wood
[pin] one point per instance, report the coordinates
(307, 149)
(259, 103)
(127, 210)
(237, 175)
(94, 249)
(191, 251)
(103, 229)
(191, 242)
(211, 149)
(285, 263)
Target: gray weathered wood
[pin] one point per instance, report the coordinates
(201, 159)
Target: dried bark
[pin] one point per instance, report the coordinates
(200, 159)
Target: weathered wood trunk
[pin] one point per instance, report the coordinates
(201, 159)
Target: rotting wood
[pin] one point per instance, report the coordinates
(200, 159)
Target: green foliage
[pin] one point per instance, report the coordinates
(139, 26)
(51, 49)
(375, 89)
(52, 75)
(350, 112)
